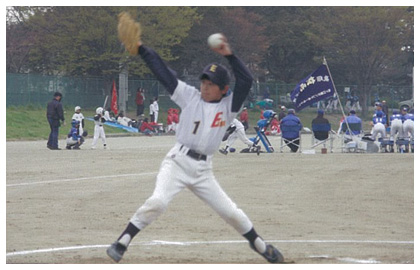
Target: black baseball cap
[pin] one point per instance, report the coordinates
(216, 73)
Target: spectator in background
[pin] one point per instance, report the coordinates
(320, 105)
(340, 127)
(175, 118)
(123, 120)
(146, 127)
(151, 111)
(385, 109)
(290, 137)
(274, 126)
(353, 119)
(109, 115)
(282, 113)
(320, 120)
(156, 110)
(140, 101)
(54, 115)
(170, 121)
(349, 101)
(266, 93)
(378, 108)
(243, 117)
(332, 103)
(356, 103)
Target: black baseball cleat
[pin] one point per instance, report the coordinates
(271, 254)
(223, 151)
(116, 251)
(258, 150)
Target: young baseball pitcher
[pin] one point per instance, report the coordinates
(205, 116)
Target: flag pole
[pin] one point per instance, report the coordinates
(338, 97)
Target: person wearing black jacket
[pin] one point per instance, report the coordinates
(320, 120)
(54, 115)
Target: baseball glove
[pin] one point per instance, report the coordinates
(129, 32)
(85, 133)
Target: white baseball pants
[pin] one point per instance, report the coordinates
(98, 132)
(239, 133)
(378, 128)
(396, 128)
(179, 171)
(408, 129)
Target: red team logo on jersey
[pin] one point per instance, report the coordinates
(218, 122)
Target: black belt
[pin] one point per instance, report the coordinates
(192, 154)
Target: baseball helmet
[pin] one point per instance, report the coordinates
(268, 113)
(77, 108)
(75, 123)
(379, 113)
(99, 110)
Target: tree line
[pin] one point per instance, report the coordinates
(364, 46)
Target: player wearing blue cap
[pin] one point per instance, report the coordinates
(408, 128)
(396, 128)
(378, 123)
(74, 138)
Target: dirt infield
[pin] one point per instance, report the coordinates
(67, 206)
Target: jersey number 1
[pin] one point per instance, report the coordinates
(197, 123)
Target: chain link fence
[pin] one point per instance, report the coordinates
(91, 92)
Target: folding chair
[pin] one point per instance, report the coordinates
(318, 135)
(412, 145)
(385, 143)
(402, 144)
(294, 141)
(350, 132)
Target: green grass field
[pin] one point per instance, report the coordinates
(30, 123)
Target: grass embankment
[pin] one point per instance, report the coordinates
(30, 123)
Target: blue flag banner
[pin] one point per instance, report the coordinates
(315, 87)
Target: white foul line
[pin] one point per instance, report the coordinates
(28, 183)
(160, 242)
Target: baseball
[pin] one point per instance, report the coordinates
(215, 40)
